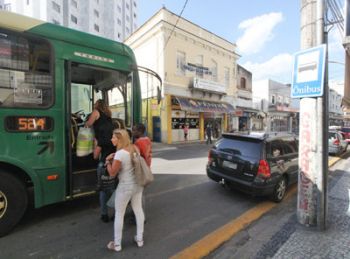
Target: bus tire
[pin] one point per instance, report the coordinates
(13, 202)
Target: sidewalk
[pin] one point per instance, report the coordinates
(279, 235)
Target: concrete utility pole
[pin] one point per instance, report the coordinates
(313, 134)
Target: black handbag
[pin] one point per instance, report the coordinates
(105, 181)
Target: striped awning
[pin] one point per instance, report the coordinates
(194, 105)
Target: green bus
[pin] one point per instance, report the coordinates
(50, 77)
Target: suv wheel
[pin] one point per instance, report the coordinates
(280, 190)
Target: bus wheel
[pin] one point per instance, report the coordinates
(13, 202)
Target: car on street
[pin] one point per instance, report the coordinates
(256, 163)
(345, 131)
(336, 142)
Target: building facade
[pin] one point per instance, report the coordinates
(113, 19)
(273, 98)
(246, 118)
(198, 70)
(334, 108)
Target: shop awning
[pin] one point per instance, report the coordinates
(193, 105)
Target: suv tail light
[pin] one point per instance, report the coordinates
(264, 169)
(336, 142)
(210, 160)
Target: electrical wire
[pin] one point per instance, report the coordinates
(177, 21)
(336, 15)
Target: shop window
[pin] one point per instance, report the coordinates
(180, 63)
(179, 123)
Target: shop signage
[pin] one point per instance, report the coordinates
(239, 113)
(285, 109)
(208, 85)
(198, 69)
(194, 105)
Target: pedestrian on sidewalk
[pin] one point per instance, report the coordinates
(127, 190)
(186, 131)
(208, 132)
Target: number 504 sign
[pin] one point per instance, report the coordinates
(308, 72)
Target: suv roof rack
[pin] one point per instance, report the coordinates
(260, 134)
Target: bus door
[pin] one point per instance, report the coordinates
(85, 85)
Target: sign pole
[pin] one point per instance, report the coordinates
(322, 110)
(308, 84)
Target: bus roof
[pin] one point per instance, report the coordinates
(20, 23)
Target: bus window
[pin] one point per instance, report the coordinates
(81, 99)
(119, 99)
(25, 72)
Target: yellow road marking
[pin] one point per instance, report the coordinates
(215, 239)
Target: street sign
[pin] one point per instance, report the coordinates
(308, 72)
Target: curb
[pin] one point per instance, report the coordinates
(213, 240)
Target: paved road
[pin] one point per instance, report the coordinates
(182, 206)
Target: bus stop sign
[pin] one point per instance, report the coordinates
(308, 72)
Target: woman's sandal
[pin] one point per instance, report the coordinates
(113, 247)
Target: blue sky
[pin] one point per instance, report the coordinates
(267, 33)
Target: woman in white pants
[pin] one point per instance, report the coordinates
(127, 190)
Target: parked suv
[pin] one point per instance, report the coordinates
(260, 164)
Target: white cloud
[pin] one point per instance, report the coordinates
(278, 68)
(257, 32)
(335, 40)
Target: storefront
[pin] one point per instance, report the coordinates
(197, 114)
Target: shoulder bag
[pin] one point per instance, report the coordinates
(143, 173)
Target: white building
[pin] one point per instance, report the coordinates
(273, 98)
(113, 19)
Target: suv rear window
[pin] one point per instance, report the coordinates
(242, 147)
